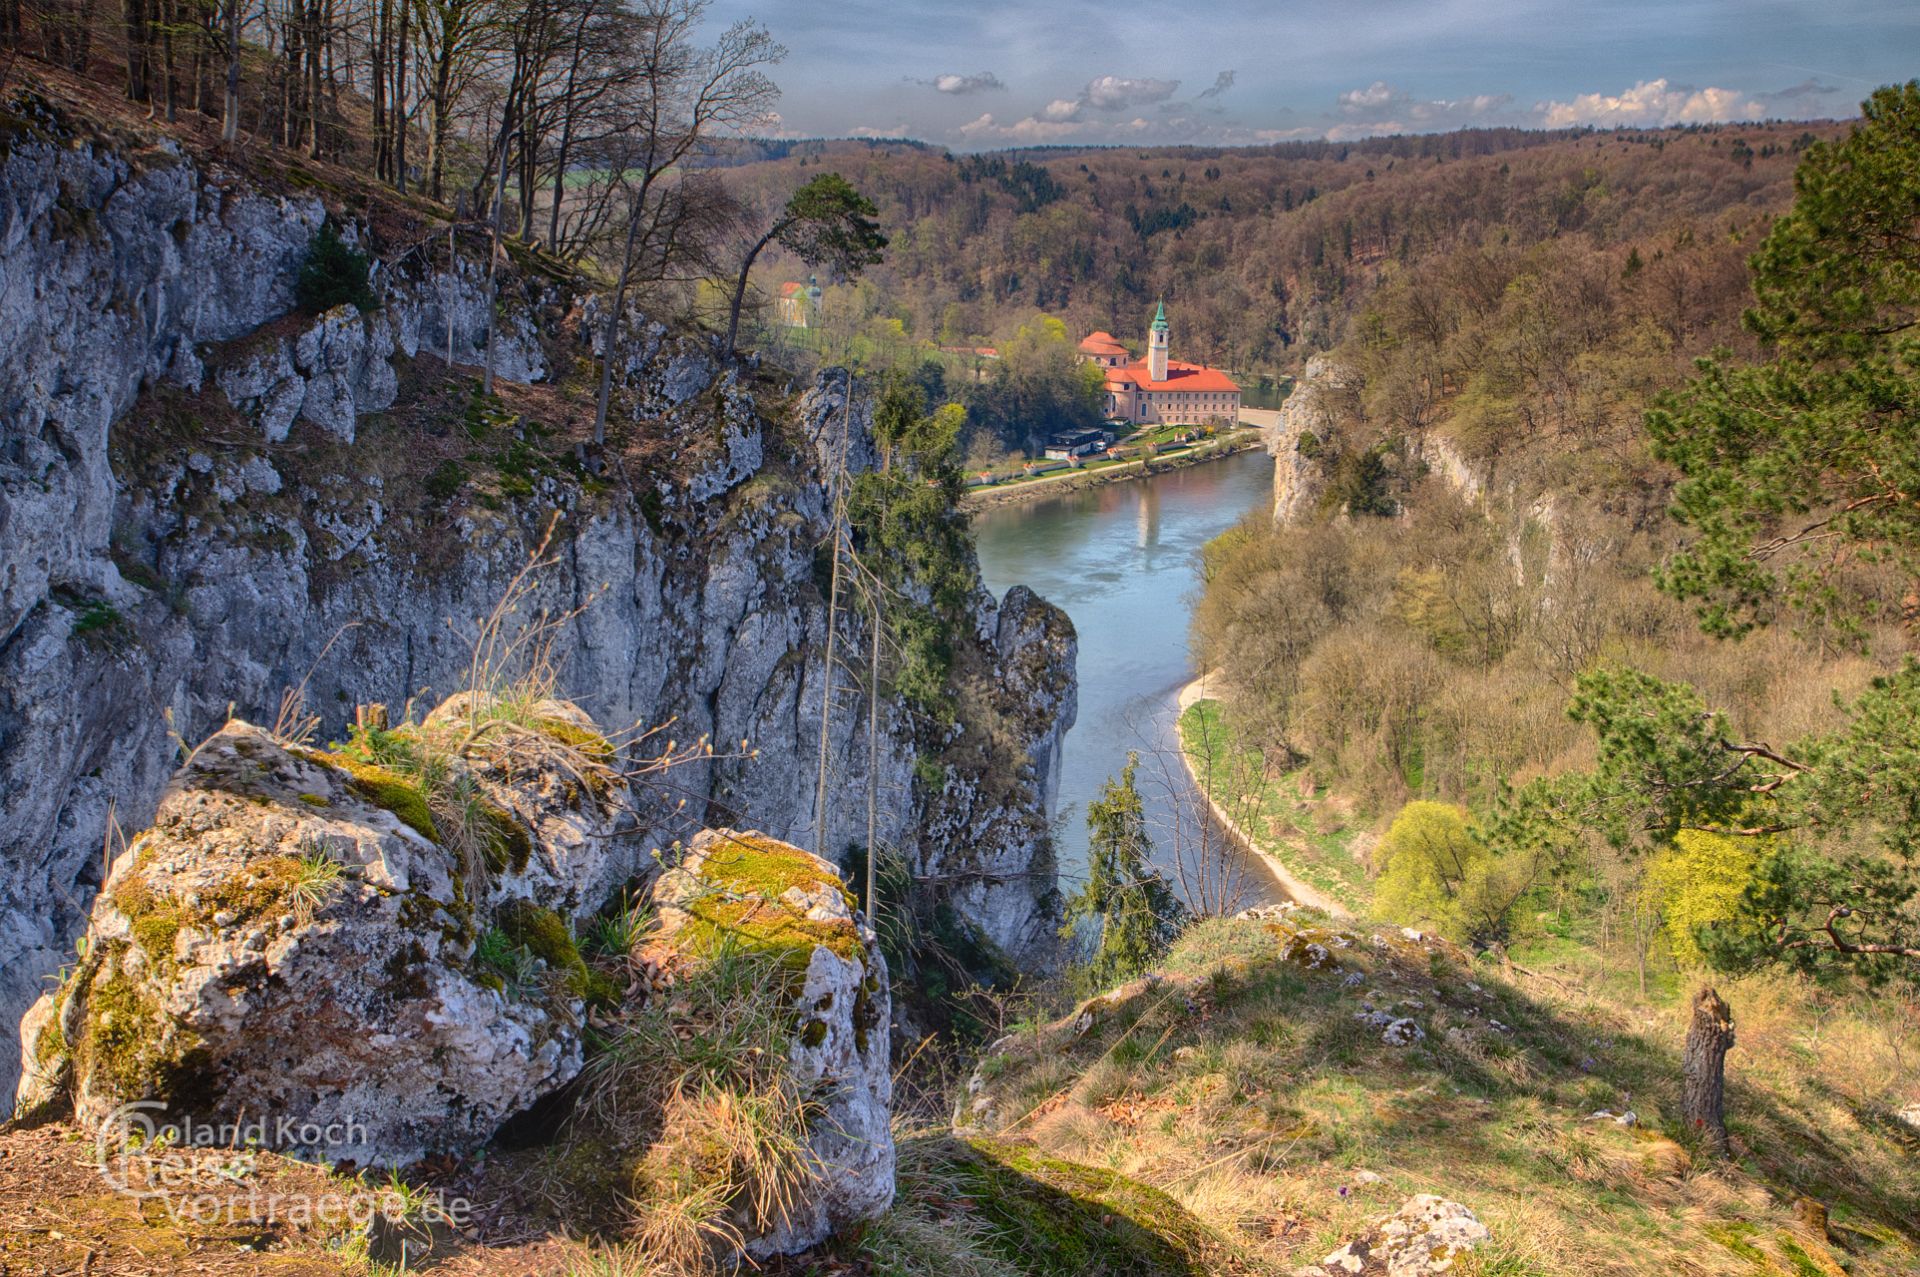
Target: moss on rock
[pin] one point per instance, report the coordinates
(754, 864)
(755, 894)
(384, 788)
(123, 1047)
(767, 927)
(1055, 1218)
(583, 740)
(508, 845)
(153, 919)
(545, 934)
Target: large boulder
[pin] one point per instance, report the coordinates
(744, 891)
(366, 966)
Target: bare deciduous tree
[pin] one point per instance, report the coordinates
(682, 95)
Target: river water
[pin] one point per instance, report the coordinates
(1124, 562)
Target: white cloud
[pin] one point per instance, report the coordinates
(1379, 93)
(1119, 92)
(962, 85)
(1381, 108)
(1112, 93)
(1652, 103)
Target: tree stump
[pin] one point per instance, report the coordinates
(1702, 1101)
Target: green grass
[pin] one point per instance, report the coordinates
(1246, 1088)
(1275, 810)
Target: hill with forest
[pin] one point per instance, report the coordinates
(1267, 255)
(532, 765)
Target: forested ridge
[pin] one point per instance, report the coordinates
(1267, 255)
(1604, 607)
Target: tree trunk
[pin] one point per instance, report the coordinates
(740, 283)
(399, 108)
(836, 508)
(611, 325)
(442, 109)
(873, 770)
(314, 35)
(136, 22)
(168, 17)
(568, 106)
(230, 111)
(377, 83)
(1709, 1038)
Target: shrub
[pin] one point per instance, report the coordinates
(1436, 872)
(333, 273)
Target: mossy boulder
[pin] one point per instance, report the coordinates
(293, 940)
(744, 891)
(547, 768)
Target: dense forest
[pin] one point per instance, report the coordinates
(1267, 255)
(1573, 663)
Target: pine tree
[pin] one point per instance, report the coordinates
(1136, 910)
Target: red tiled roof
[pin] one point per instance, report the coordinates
(1101, 343)
(790, 290)
(1192, 378)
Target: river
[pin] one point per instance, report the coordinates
(1124, 562)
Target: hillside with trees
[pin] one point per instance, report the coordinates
(1599, 662)
(1267, 254)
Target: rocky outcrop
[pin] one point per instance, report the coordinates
(374, 964)
(744, 890)
(300, 938)
(1308, 418)
(185, 532)
(1425, 1236)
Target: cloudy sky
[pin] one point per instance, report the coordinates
(993, 73)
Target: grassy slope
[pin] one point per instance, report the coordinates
(1242, 1084)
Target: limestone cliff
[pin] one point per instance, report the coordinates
(208, 497)
(1306, 420)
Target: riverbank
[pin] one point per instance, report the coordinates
(1051, 485)
(1290, 882)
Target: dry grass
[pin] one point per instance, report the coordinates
(1255, 1098)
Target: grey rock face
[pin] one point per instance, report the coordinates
(136, 609)
(1310, 412)
(840, 1059)
(286, 942)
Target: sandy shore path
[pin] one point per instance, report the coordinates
(1290, 882)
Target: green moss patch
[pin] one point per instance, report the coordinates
(753, 864)
(1053, 1217)
(264, 887)
(508, 845)
(154, 919)
(123, 1042)
(583, 740)
(386, 789)
(545, 934)
(764, 927)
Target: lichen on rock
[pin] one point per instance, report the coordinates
(292, 940)
(746, 891)
(1424, 1237)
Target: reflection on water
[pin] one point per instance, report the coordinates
(1124, 562)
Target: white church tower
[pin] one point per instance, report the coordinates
(1157, 345)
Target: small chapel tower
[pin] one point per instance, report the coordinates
(1157, 345)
